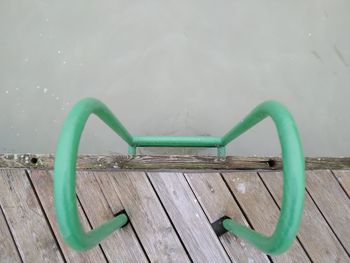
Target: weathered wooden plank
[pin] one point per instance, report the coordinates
(332, 201)
(149, 162)
(261, 210)
(343, 177)
(8, 250)
(26, 220)
(313, 227)
(217, 201)
(188, 218)
(146, 214)
(43, 184)
(122, 245)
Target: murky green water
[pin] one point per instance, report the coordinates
(174, 68)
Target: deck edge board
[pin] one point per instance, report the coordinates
(169, 162)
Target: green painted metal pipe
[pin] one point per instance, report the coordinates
(293, 172)
(65, 172)
(293, 176)
(176, 141)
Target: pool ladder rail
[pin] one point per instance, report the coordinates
(293, 174)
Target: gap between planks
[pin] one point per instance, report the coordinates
(209, 216)
(26, 219)
(313, 227)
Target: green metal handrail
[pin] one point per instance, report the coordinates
(293, 173)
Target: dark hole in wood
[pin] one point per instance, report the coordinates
(271, 163)
(123, 212)
(218, 226)
(34, 160)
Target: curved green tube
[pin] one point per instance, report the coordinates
(293, 176)
(65, 172)
(64, 175)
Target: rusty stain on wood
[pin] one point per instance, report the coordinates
(151, 162)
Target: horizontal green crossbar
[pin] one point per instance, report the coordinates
(177, 141)
(293, 173)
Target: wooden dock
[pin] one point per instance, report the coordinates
(171, 214)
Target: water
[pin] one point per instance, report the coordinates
(166, 71)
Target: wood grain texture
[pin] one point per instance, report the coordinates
(151, 162)
(343, 177)
(8, 250)
(313, 227)
(146, 214)
(188, 218)
(192, 202)
(26, 220)
(332, 202)
(122, 245)
(261, 210)
(217, 201)
(43, 184)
